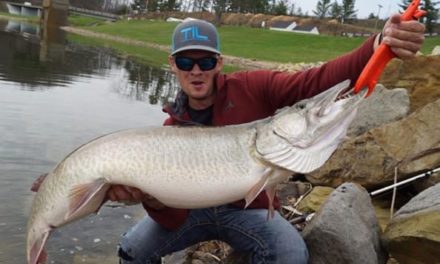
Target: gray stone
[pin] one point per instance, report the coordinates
(413, 235)
(345, 229)
(370, 159)
(381, 107)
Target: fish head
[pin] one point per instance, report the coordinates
(302, 137)
(309, 121)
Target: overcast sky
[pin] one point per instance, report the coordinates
(363, 7)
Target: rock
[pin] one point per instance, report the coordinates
(381, 107)
(370, 159)
(413, 235)
(436, 50)
(345, 229)
(420, 76)
(289, 192)
(313, 201)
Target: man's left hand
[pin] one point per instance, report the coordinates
(405, 38)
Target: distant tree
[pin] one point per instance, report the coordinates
(348, 11)
(249, 6)
(292, 9)
(219, 8)
(372, 16)
(280, 8)
(432, 12)
(200, 5)
(336, 10)
(322, 8)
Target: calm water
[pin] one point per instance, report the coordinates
(55, 96)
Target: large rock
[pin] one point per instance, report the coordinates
(381, 107)
(413, 235)
(420, 76)
(370, 159)
(345, 229)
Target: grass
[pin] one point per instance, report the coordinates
(252, 43)
(247, 42)
(30, 19)
(83, 21)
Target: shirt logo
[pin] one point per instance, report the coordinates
(192, 33)
(229, 105)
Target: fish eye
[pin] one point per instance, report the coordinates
(301, 106)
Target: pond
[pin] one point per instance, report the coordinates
(55, 96)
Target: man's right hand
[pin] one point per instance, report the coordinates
(122, 193)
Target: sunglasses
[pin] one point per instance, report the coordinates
(187, 64)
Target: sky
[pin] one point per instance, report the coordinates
(363, 7)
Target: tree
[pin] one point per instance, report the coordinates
(432, 12)
(336, 10)
(280, 8)
(322, 8)
(220, 8)
(348, 11)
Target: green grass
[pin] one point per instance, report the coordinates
(82, 21)
(253, 43)
(30, 19)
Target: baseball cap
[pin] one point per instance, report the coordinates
(195, 34)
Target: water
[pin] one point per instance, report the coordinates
(55, 96)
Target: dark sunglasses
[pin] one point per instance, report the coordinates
(186, 64)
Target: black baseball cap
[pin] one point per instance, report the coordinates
(195, 34)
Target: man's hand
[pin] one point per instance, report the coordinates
(121, 193)
(405, 38)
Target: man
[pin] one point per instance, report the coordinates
(208, 97)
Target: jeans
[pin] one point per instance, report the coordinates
(248, 231)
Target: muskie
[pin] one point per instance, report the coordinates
(192, 167)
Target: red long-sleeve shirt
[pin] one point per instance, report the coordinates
(243, 97)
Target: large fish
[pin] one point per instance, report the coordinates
(192, 167)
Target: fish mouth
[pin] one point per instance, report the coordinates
(340, 94)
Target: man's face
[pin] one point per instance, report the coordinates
(196, 83)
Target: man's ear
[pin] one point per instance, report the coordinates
(219, 66)
(172, 63)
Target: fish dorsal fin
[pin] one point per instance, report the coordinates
(86, 198)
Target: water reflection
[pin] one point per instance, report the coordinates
(49, 105)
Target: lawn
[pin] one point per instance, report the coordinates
(253, 43)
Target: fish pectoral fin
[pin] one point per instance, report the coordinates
(258, 187)
(86, 198)
(37, 254)
(270, 193)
